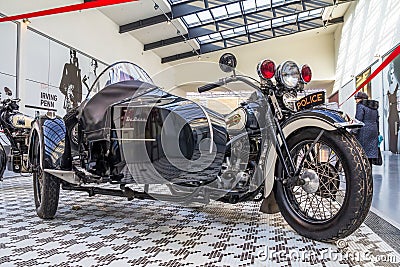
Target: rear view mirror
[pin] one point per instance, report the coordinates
(8, 91)
(227, 62)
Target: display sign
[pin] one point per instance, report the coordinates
(391, 105)
(58, 77)
(310, 101)
(362, 77)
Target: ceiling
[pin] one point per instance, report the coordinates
(177, 29)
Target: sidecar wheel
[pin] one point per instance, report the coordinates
(337, 193)
(46, 187)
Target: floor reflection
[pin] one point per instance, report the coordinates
(386, 198)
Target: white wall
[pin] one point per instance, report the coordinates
(315, 49)
(8, 53)
(371, 29)
(89, 31)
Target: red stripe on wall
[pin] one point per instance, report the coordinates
(387, 61)
(65, 9)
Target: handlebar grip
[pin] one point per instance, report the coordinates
(209, 86)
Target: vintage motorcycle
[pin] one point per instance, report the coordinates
(295, 156)
(16, 127)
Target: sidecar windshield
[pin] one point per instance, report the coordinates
(118, 72)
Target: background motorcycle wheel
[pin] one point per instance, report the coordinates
(336, 206)
(46, 187)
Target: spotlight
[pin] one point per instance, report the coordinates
(199, 57)
(26, 21)
(168, 21)
(178, 32)
(156, 6)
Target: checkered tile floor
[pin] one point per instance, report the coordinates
(110, 231)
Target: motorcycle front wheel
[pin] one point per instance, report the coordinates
(334, 192)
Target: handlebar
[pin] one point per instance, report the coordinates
(227, 80)
(11, 100)
(210, 86)
(10, 104)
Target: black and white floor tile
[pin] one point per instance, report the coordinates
(111, 231)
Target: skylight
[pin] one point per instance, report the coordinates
(219, 12)
(263, 3)
(249, 6)
(178, 1)
(205, 16)
(218, 24)
(260, 26)
(192, 20)
(233, 9)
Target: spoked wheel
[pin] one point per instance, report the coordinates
(334, 191)
(46, 187)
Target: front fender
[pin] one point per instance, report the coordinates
(335, 118)
(329, 120)
(52, 137)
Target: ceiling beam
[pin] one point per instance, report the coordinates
(275, 32)
(169, 41)
(183, 9)
(144, 23)
(180, 56)
(177, 11)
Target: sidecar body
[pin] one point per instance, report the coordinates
(134, 132)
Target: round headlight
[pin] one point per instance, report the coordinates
(289, 74)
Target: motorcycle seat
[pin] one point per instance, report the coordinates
(95, 113)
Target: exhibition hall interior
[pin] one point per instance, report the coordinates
(200, 133)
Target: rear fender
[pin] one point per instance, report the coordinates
(52, 137)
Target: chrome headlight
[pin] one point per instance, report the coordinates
(288, 74)
(289, 101)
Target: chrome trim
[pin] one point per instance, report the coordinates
(134, 139)
(210, 127)
(349, 124)
(279, 76)
(51, 114)
(68, 176)
(123, 129)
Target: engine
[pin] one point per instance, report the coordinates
(238, 169)
(16, 162)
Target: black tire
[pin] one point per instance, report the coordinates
(71, 123)
(46, 187)
(351, 208)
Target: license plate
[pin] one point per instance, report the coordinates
(310, 101)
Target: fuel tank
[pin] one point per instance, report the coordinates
(243, 118)
(22, 121)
